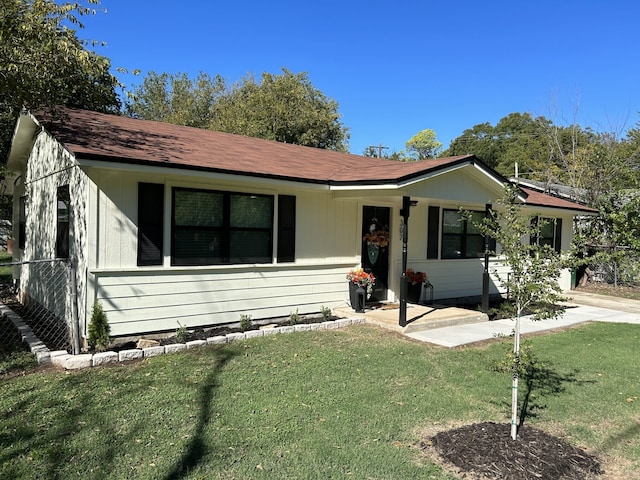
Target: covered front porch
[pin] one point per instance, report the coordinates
(419, 317)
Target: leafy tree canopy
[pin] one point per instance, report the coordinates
(595, 163)
(285, 108)
(423, 144)
(176, 98)
(43, 64)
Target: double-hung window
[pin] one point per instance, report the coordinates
(550, 233)
(461, 237)
(211, 227)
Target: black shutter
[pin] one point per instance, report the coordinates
(150, 223)
(286, 228)
(433, 232)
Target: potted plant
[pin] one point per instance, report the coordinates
(414, 285)
(360, 288)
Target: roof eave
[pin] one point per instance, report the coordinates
(22, 141)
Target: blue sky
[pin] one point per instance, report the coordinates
(398, 67)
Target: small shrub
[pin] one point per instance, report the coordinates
(245, 322)
(504, 309)
(294, 317)
(326, 313)
(181, 333)
(99, 328)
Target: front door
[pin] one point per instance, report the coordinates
(375, 248)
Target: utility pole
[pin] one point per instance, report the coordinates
(379, 147)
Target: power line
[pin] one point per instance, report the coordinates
(379, 147)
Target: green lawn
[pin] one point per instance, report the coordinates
(349, 403)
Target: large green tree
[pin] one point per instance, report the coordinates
(516, 139)
(285, 108)
(176, 99)
(423, 144)
(43, 64)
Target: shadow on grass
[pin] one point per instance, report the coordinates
(625, 436)
(197, 448)
(542, 381)
(43, 424)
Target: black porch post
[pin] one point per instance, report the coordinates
(485, 273)
(406, 205)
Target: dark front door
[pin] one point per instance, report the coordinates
(375, 248)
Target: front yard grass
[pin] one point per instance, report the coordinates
(352, 403)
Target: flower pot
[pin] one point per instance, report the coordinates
(357, 297)
(413, 292)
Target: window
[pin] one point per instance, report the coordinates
(210, 227)
(150, 223)
(286, 228)
(22, 222)
(461, 238)
(550, 233)
(62, 224)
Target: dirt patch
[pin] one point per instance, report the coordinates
(601, 288)
(485, 451)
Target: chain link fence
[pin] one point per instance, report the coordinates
(617, 266)
(44, 297)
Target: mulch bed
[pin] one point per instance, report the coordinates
(486, 451)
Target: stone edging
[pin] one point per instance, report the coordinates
(67, 361)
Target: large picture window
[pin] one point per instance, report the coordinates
(461, 238)
(211, 227)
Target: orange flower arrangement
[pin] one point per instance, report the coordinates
(362, 278)
(416, 277)
(380, 237)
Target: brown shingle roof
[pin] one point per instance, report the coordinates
(541, 199)
(97, 136)
(91, 135)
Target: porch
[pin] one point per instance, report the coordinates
(419, 317)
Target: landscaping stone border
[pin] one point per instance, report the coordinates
(64, 359)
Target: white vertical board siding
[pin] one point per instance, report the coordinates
(326, 230)
(160, 300)
(115, 203)
(51, 166)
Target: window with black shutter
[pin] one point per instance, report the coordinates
(433, 232)
(150, 223)
(286, 228)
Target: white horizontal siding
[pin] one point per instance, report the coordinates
(156, 300)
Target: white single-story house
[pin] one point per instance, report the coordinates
(168, 225)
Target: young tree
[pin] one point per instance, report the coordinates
(534, 271)
(43, 64)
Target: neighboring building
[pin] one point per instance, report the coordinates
(168, 224)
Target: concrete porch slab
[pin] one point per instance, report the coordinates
(419, 317)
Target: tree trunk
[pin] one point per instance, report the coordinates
(516, 371)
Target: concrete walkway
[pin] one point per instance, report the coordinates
(582, 308)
